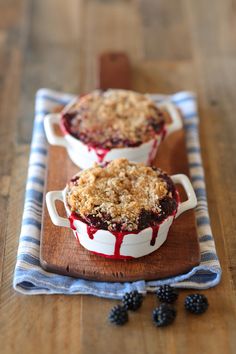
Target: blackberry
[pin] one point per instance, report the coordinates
(96, 221)
(133, 300)
(155, 125)
(163, 315)
(168, 205)
(166, 293)
(145, 219)
(118, 315)
(169, 182)
(196, 303)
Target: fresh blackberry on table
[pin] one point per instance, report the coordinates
(133, 300)
(163, 315)
(167, 293)
(118, 315)
(196, 303)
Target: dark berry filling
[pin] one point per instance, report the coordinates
(99, 222)
(66, 121)
(168, 206)
(153, 128)
(149, 218)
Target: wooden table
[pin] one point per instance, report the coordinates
(173, 45)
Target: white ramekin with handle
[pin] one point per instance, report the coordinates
(120, 245)
(85, 156)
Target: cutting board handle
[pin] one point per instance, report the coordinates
(114, 71)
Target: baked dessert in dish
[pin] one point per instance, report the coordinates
(114, 118)
(105, 125)
(122, 196)
(121, 209)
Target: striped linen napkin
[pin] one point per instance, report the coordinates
(30, 278)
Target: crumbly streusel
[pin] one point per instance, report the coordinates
(118, 192)
(114, 118)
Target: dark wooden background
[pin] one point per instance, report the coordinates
(173, 45)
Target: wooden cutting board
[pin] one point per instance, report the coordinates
(61, 253)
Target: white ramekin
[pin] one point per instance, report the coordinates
(104, 242)
(85, 156)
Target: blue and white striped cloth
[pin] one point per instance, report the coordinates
(30, 278)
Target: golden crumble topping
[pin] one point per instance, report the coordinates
(114, 118)
(119, 191)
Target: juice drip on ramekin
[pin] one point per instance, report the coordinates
(119, 235)
(152, 152)
(101, 153)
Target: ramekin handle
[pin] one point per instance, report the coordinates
(57, 220)
(191, 202)
(49, 121)
(176, 123)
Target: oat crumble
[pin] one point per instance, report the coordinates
(118, 192)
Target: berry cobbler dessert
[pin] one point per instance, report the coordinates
(122, 196)
(105, 125)
(113, 119)
(121, 209)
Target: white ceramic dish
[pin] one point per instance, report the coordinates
(85, 156)
(120, 245)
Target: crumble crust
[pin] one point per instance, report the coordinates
(118, 192)
(114, 118)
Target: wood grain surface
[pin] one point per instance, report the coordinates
(173, 45)
(61, 253)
